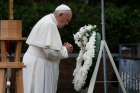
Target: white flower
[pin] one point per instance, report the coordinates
(87, 34)
(86, 42)
(89, 27)
(94, 26)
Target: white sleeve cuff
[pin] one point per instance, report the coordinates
(52, 55)
(64, 52)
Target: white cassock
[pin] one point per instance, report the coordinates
(43, 56)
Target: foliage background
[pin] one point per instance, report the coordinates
(122, 18)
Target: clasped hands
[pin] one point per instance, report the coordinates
(69, 47)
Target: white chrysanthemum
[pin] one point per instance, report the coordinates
(86, 42)
(89, 27)
(94, 26)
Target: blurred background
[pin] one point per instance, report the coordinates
(122, 22)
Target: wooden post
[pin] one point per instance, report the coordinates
(11, 10)
(2, 71)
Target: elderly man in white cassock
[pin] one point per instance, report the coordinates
(45, 51)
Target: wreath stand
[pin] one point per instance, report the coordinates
(94, 75)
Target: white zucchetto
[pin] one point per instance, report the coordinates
(63, 7)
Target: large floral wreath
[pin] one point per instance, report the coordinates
(85, 38)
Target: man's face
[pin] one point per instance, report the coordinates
(64, 19)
